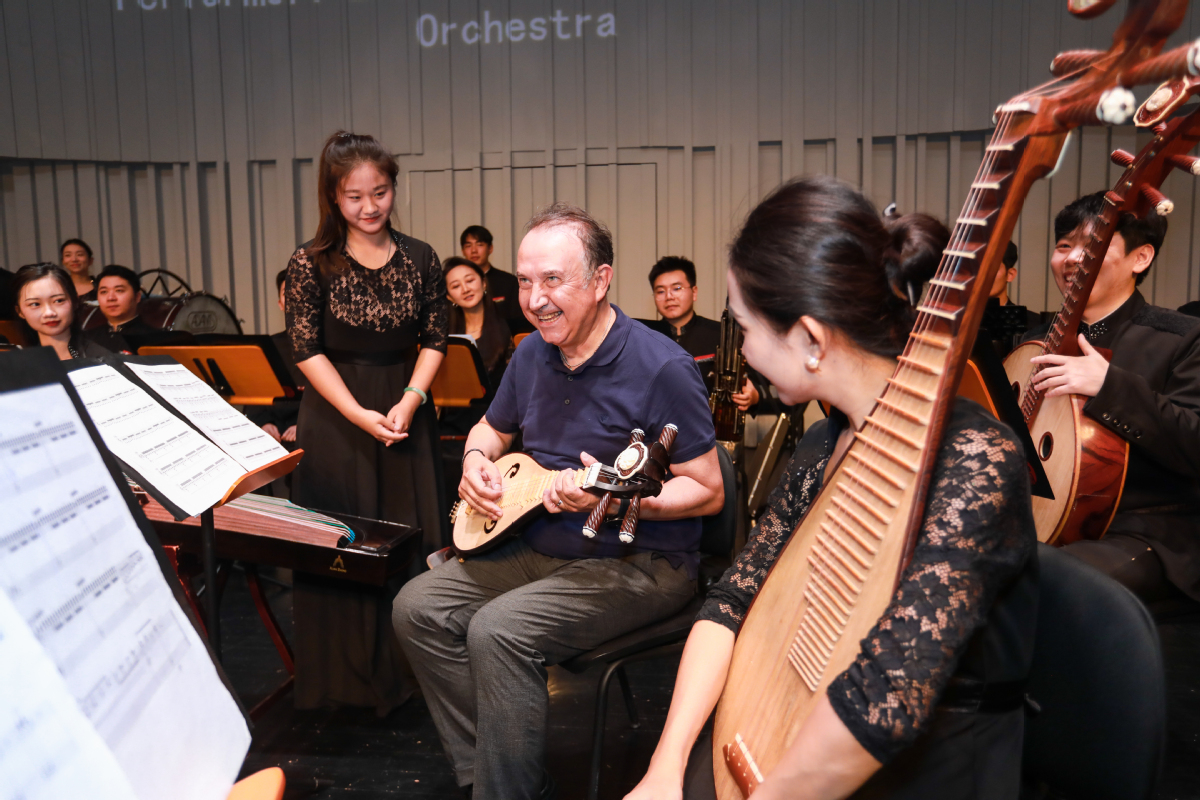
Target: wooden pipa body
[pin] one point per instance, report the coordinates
(1085, 462)
(838, 572)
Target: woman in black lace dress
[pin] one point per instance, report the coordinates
(361, 297)
(931, 707)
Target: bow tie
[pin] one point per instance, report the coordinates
(1094, 331)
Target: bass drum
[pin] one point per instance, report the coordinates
(194, 312)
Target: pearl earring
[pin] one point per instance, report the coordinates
(814, 364)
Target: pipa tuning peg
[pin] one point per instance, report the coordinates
(1116, 106)
(1071, 60)
(1162, 206)
(1086, 9)
(1122, 158)
(1160, 128)
(1186, 163)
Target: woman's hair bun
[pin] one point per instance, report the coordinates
(913, 255)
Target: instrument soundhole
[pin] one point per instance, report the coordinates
(1046, 446)
(490, 525)
(1016, 387)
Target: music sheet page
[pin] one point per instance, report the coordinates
(79, 572)
(190, 470)
(48, 749)
(221, 422)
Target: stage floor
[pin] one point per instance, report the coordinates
(350, 753)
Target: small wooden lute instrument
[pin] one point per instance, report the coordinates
(638, 472)
(838, 572)
(1084, 461)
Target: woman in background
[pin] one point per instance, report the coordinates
(47, 302)
(361, 296)
(470, 315)
(77, 259)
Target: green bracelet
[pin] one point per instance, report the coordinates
(424, 397)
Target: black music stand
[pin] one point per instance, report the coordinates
(208, 533)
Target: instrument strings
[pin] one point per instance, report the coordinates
(516, 493)
(933, 294)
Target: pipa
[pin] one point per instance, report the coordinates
(836, 576)
(1085, 462)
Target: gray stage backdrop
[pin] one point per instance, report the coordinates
(182, 133)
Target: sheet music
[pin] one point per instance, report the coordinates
(190, 470)
(48, 749)
(79, 572)
(239, 437)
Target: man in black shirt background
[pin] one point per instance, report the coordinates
(502, 288)
(1149, 394)
(119, 291)
(673, 281)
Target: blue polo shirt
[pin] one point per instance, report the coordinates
(636, 379)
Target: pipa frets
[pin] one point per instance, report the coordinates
(842, 555)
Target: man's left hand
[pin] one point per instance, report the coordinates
(1082, 375)
(564, 495)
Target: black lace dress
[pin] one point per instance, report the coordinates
(368, 323)
(935, 693)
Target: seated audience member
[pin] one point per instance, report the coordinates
(76, 255)
(480, 632)
(119, 292)
(471, 314)
(1149, 394)
(279, 418)
(673, 280)
(476, 243)
(46, 300)
(1005, 322)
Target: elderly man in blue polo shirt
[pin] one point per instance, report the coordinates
(479, 633)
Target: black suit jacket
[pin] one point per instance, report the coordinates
(8, 303)
(504, 290)
(1151, 398)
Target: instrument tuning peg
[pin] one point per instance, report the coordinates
(1122, 158)
(1116, 106)
(1162, 206)
(1160, 128)
(1067, 62)
(1186, 163)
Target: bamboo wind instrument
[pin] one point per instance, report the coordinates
(729, 375)
(838, 572)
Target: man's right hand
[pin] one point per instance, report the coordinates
(481, 486)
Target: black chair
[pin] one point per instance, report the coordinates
(1097, 677)
(662, 638)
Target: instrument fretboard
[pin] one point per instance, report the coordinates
(887, 454)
